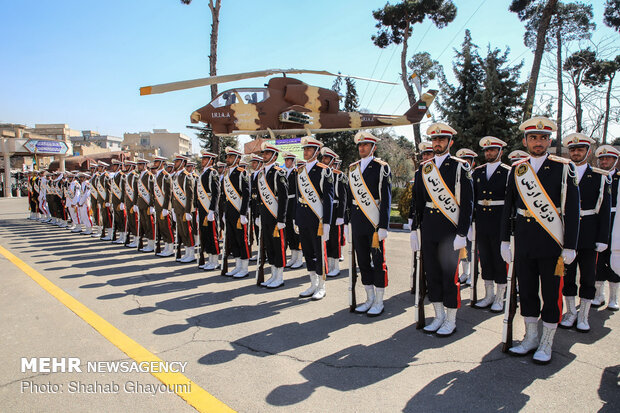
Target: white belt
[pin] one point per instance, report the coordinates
(488, 202)
(430, 205)
(291, 196)
(613, 209)
(587, 212)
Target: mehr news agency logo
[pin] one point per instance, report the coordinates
(75, 365)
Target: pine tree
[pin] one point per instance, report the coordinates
(342, 142)
(208, 140)
(456, 102)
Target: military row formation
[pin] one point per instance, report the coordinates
(529, 226)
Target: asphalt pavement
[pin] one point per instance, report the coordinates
(268, 350)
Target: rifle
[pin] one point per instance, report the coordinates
(414, 272)
(140, 242)
(510, 307)
(420, 288)
(178, 239)
(260, 268)
(224, 250)
(201, 248)
(113, 223)
(352, 274)
(474, 268)
(126, 226)
(157, 236)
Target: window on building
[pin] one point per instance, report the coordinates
(145, 141)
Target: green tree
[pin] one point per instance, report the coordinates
(603, 72)
(342, 142)
(580, 66)
(571, 22)
(208, 139)
(395, 25)
(526, 10)
(611, 15)
(456, 103)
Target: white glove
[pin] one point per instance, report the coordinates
(211, 216)
(383, 233)
(107, 205)
(296, 228)
(615, 261)
(568, 256)
(413, 240)
(152, 210)
(470, 233)
(326, 232)
(164, 212)
(174, 217)
(339, 221)
(600, 247)
(257, 222)
(505, 251)
(346, 234)
(121, 206)
(281, 225)
(135, 209)
(243, 219)
(410, 222)
(459, 242)
(188, 216)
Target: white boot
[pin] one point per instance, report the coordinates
(273, 277)
(370, 299)
(543, 353)
(530, 341)
(299, 261)
(293, 258)
(190, 255)
(78, 228)
(150, 246)
(377, 306)
(134, 243)
(613, 296)
(440, 316)
(449, 324)
(498, 304)
(489, 295)
(571, 313)
(320, 290)
(168, 250)
(236, 269)
(211, 264)
(314, 283)
(582, 319)
(464, 278)
(599, 295)
(87, 231)
(243, 272)
(279, 280)
(108, 236)
(334, 265)
(97, 232)
(120, 239)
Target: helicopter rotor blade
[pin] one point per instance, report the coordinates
(212, 80)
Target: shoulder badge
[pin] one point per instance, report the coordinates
(380, 161)
(459, 159)
(322, 165)
(337, 172)
(558, 159)
(301, 168)
(503, 165)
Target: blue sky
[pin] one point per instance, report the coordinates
(82, 63)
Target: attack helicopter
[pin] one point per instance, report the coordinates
(286, 106)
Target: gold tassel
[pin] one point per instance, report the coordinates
(319, 233)
(375, 240)
(239, 226)
(559, 267)
(206, 222)
(463, 254)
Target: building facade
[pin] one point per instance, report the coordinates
(168, 143)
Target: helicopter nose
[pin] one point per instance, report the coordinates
(195, 118)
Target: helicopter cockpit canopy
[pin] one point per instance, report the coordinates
(246, 96)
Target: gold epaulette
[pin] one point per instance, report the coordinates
(336, 172)
(321, 165)
(381, 161)
(503, 165)
(458, 159)
(558, 159)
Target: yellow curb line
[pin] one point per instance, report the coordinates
(197, 397)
